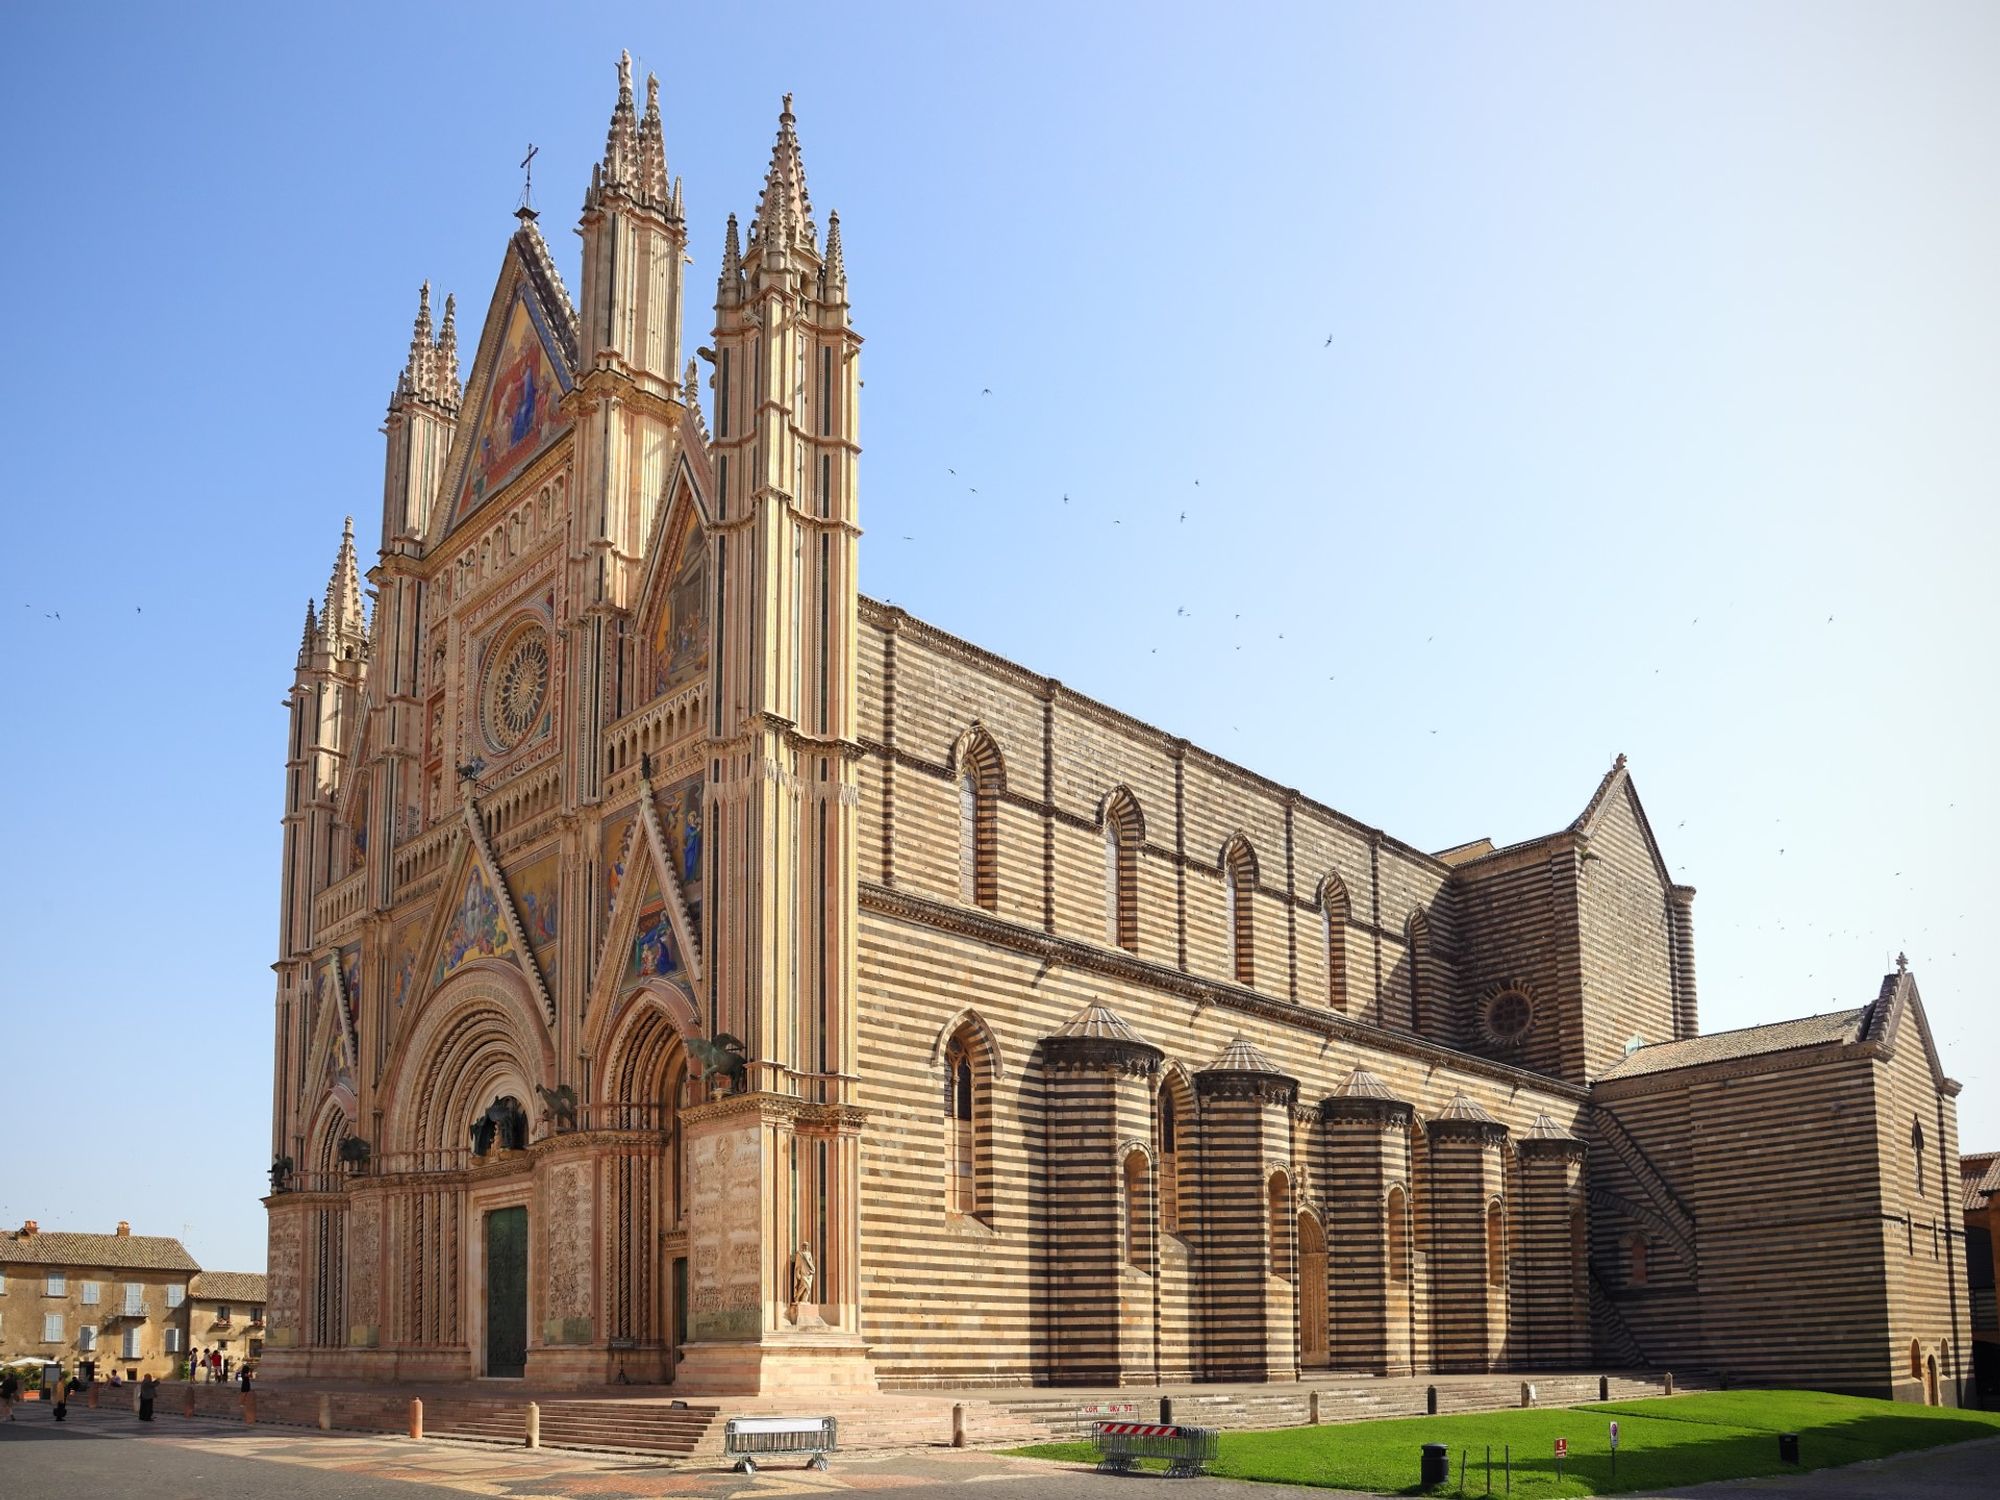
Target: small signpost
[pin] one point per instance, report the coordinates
(1562, 1452)
(1614, 1450)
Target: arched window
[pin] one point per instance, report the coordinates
(1239, 885)
(1917, 1152)
(1123, 833)
(1637, 1253)
(1399, 1237)
(1417, 937)
(961, 1194)
(979, 785)
(1135, 1210)
(1333, 915)
(1496, 1244)
(1916, 1360)
(1170, 1164)
(1278, 1191)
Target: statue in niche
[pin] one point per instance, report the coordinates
(804, 1311)
(505, 1124)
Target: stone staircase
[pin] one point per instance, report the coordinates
(1666, 1203)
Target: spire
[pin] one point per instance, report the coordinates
(342, 615)
(620, 168)
(306, 639)
(431, 371)
(784, 204)
(833, 275)
(732, 262)
(652, 174)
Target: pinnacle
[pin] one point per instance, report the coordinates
(342, 615)
(635, 157)
(785, 204)
(431, 371)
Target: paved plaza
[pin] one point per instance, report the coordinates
(112, 1454)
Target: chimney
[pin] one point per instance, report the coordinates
(124, 1230)
(29, 1229)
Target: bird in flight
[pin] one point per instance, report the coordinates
(1329, 342)
(987, 392)
(1184, 515)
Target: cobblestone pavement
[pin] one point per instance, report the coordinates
(111, 1454)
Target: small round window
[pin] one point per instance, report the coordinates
(1509, 1014)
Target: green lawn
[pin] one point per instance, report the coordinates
(1662, 1443)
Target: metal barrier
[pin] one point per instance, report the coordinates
(1187, 1450)
(747, 1439)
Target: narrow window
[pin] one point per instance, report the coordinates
(1917, 1152)
(1333, 914)
(1916, 1360)
(968, 838)
(978, 796)
(1170, 1166)
(1496, 1245)
(1637, 1252)
(1122, 834)
(1239, 879)
(961, 1195)
(1135, 1210)
(1399, 1240)
(1279, 1214)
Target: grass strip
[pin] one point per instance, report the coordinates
(1663, 1443)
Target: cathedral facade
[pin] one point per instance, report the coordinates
(690, 968)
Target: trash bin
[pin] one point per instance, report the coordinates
(1788, 1447)
(1436, 1465)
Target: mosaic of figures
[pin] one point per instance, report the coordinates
(404, 946)
(612, 851)
(477, 929)
(523, 408)
(679, 640)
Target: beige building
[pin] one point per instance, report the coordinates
(688, 967)
(225, 1313)
(112, 1302)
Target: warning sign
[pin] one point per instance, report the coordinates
(1562, 1447)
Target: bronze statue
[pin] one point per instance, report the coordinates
(560, 1102)
(724, 1056)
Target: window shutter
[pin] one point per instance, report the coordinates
(135, 1298)
(90, 1293)
(86, 1339)
(175, 1296)
(52, 1328)
(56, 1286)
(173, 1341)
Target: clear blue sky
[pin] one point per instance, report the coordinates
(1658, 416)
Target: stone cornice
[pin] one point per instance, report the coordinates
(1349, 1108)
(1075, 1054)
(983, 926)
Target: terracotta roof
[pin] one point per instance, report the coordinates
(1362, 1084)
(230, 1286)
(1099, 1023)
(55, 1247)
(1240, 1056)
(1462, 1108)
(1979, 1179)
(1750, 1041)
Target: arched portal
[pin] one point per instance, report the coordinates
(1313, 1324)
(1930, 1380)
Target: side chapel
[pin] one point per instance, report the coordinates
(688, 967)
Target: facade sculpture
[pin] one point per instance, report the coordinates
(863, 953)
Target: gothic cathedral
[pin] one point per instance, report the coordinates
(688, 967)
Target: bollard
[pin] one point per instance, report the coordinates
(93, 1396)
(534, 1424)
(958, 1424)
(1166, 1411)
(325, 1412)
(135, 1398)
(1312, 1408)
(1527, 1394)
(1431, 1401)
(416, 1420)
(187, 1400)
(249, 1408)
(1669, 1384)
(1604, 1388)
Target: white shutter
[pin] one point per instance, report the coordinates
(173, 1341)
(175, 1296)
(90, 1293)
(131, 1343)
(135, 1298)
(56, 1286)
(86, 1339)
(52, 1328)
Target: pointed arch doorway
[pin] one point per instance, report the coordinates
(1312, 1293)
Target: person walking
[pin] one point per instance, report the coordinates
(10, 1392)
(148, 1389)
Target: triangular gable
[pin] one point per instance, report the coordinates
(1618, 781)
(330, 1052)
(1896, 1004)
(652, 935)
(477, 922)
(674, 634)
(519, 378)
(353, 814)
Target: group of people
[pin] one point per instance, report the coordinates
(214, 1364)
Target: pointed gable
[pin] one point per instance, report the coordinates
(475, 928)
(520, 375)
